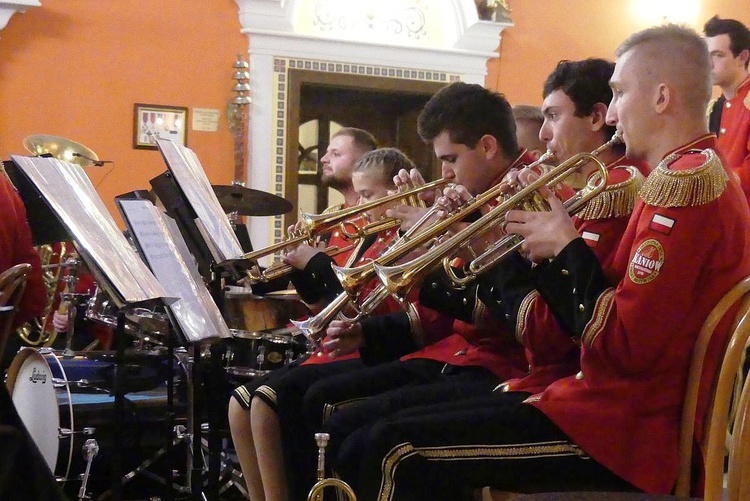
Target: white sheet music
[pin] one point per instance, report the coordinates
(69, 192)
(166, 253)
(191, 178)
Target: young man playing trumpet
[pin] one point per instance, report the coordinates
(255, 408)
(574, 111)
(614, 425)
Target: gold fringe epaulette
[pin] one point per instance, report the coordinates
(682, 188)
(617, 200)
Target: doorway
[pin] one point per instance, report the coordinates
(319, 103)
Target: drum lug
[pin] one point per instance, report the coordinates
(89, 431)
(64, 432)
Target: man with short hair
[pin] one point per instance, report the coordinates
(728, 43)
(614, 425)
(529, 120)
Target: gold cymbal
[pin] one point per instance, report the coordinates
(60, 148)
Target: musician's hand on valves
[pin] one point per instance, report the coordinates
(545, 233)
(60, 321)
(342, 338)
(407, 214)
(452, 198)
(300, 255)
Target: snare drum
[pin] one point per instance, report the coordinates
(249, 354)
(248, 312)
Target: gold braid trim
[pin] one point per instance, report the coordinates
(684, 188)
(617, 200)
(556, 448)
(710, 108)
(479, 308)
(269, 392)
(523, 312)
(601, 311)
(416, 325)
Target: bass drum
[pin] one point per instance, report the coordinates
(43, 401)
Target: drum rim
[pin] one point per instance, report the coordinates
(24, 354)
(243, 334)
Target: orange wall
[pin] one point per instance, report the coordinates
(545, 32)
(74, 68)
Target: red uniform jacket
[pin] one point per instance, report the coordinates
(677, 258)
(550, 351)
(383, 241)
(489, 344)
(734, 135)
(16, 248)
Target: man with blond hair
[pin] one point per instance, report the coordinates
(614, 425)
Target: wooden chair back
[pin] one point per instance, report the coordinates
(12, 285)
(714, 444)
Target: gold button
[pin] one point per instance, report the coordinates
(579, 376)
(575, 290)
(565, 272)
(507, 316)
(728, 104)
(335, 233)
(722, 131)
(581, 307)
(465, 301)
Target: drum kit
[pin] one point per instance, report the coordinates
(65, 397)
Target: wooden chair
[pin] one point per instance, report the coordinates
(12, 285)
(714, 445)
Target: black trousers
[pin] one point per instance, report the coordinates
(445, 451)
(283, 390)
(350, 424)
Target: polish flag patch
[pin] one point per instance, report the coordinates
(661, 224)
(591, 238)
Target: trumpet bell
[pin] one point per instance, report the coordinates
(61, 149)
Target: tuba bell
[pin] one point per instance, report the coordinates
(39, 331)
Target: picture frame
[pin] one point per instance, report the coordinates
(154, 121)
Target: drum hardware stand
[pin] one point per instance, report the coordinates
(90, 451)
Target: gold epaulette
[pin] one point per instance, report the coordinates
(617, 200)
(682, 188)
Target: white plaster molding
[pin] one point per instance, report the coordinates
(463, 45)
(7, 9)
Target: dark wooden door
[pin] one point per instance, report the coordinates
(388, 108)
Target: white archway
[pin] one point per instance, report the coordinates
(436, 40)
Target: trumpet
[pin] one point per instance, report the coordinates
(316, 492)
(313, 225)
(399, 280)
(352, 280)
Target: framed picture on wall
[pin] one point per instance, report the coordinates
(153, 121)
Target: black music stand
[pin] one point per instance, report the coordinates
(118, 270)
(45, 225)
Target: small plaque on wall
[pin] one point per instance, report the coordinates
(206, 119)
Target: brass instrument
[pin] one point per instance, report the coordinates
(38, 331)
(63, 149)
(316, 492)
(352, 279)
(316, 224)
(400, 279)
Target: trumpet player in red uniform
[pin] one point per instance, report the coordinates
(615, 424)
(575, 105)
(255, 408)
